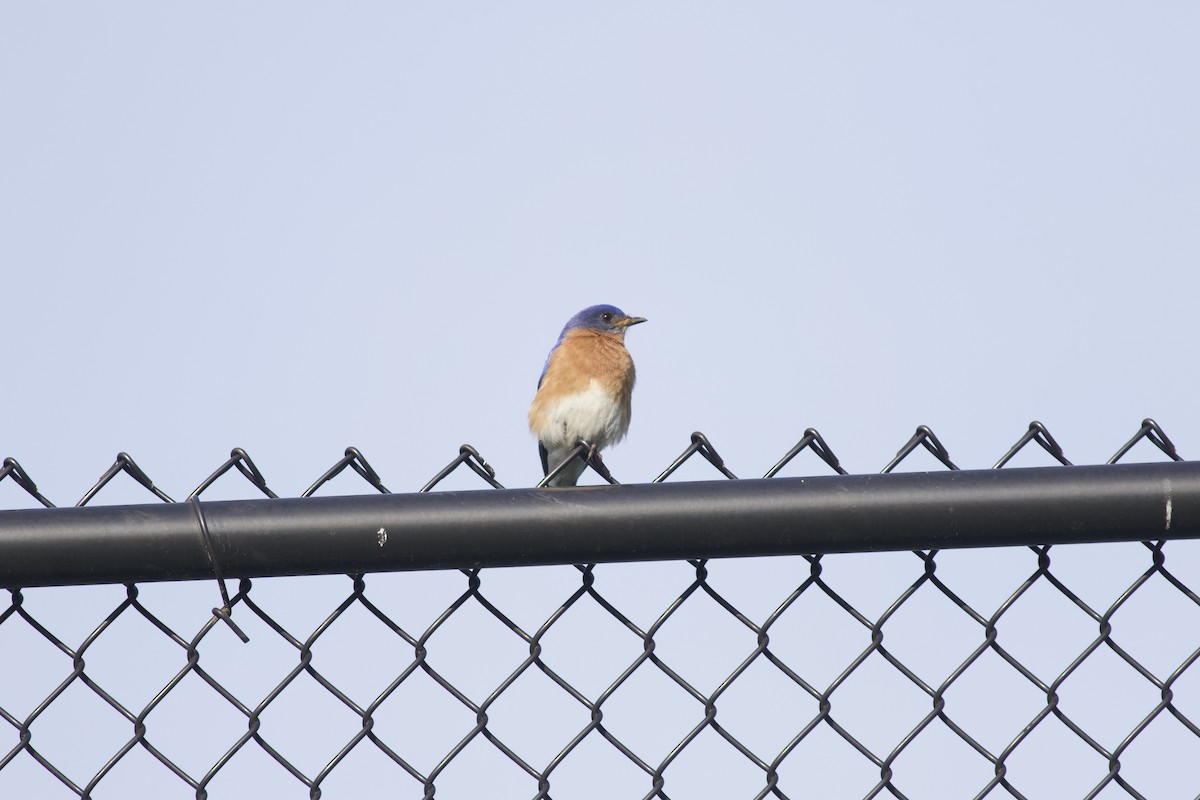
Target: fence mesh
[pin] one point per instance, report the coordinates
(1015, 672)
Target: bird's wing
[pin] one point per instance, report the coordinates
(545, 455)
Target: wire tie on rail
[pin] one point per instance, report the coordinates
(225, 611)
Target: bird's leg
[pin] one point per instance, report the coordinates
(593, 459)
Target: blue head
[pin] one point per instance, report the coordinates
(604, 319)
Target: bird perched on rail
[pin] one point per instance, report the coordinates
(585, 390)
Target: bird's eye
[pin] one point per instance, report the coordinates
(607, 317)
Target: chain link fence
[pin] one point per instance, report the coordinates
(1009, 672)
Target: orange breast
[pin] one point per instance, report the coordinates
(585, 356)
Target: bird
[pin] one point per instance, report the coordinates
(585, 390)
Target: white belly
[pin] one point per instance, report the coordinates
(591, 415)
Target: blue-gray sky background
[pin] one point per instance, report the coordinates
(297, 227)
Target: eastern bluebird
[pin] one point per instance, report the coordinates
(585, 390)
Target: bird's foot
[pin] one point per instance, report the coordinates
(591, 456)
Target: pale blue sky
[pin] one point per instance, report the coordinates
(296, 227)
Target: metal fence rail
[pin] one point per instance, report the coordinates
(741, 677)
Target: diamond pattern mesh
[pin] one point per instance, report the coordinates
(1016, 672)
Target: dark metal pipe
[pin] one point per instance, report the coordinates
(633, 522)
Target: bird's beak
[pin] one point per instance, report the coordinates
(625, 322)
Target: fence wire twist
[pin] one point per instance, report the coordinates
(775, 778)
